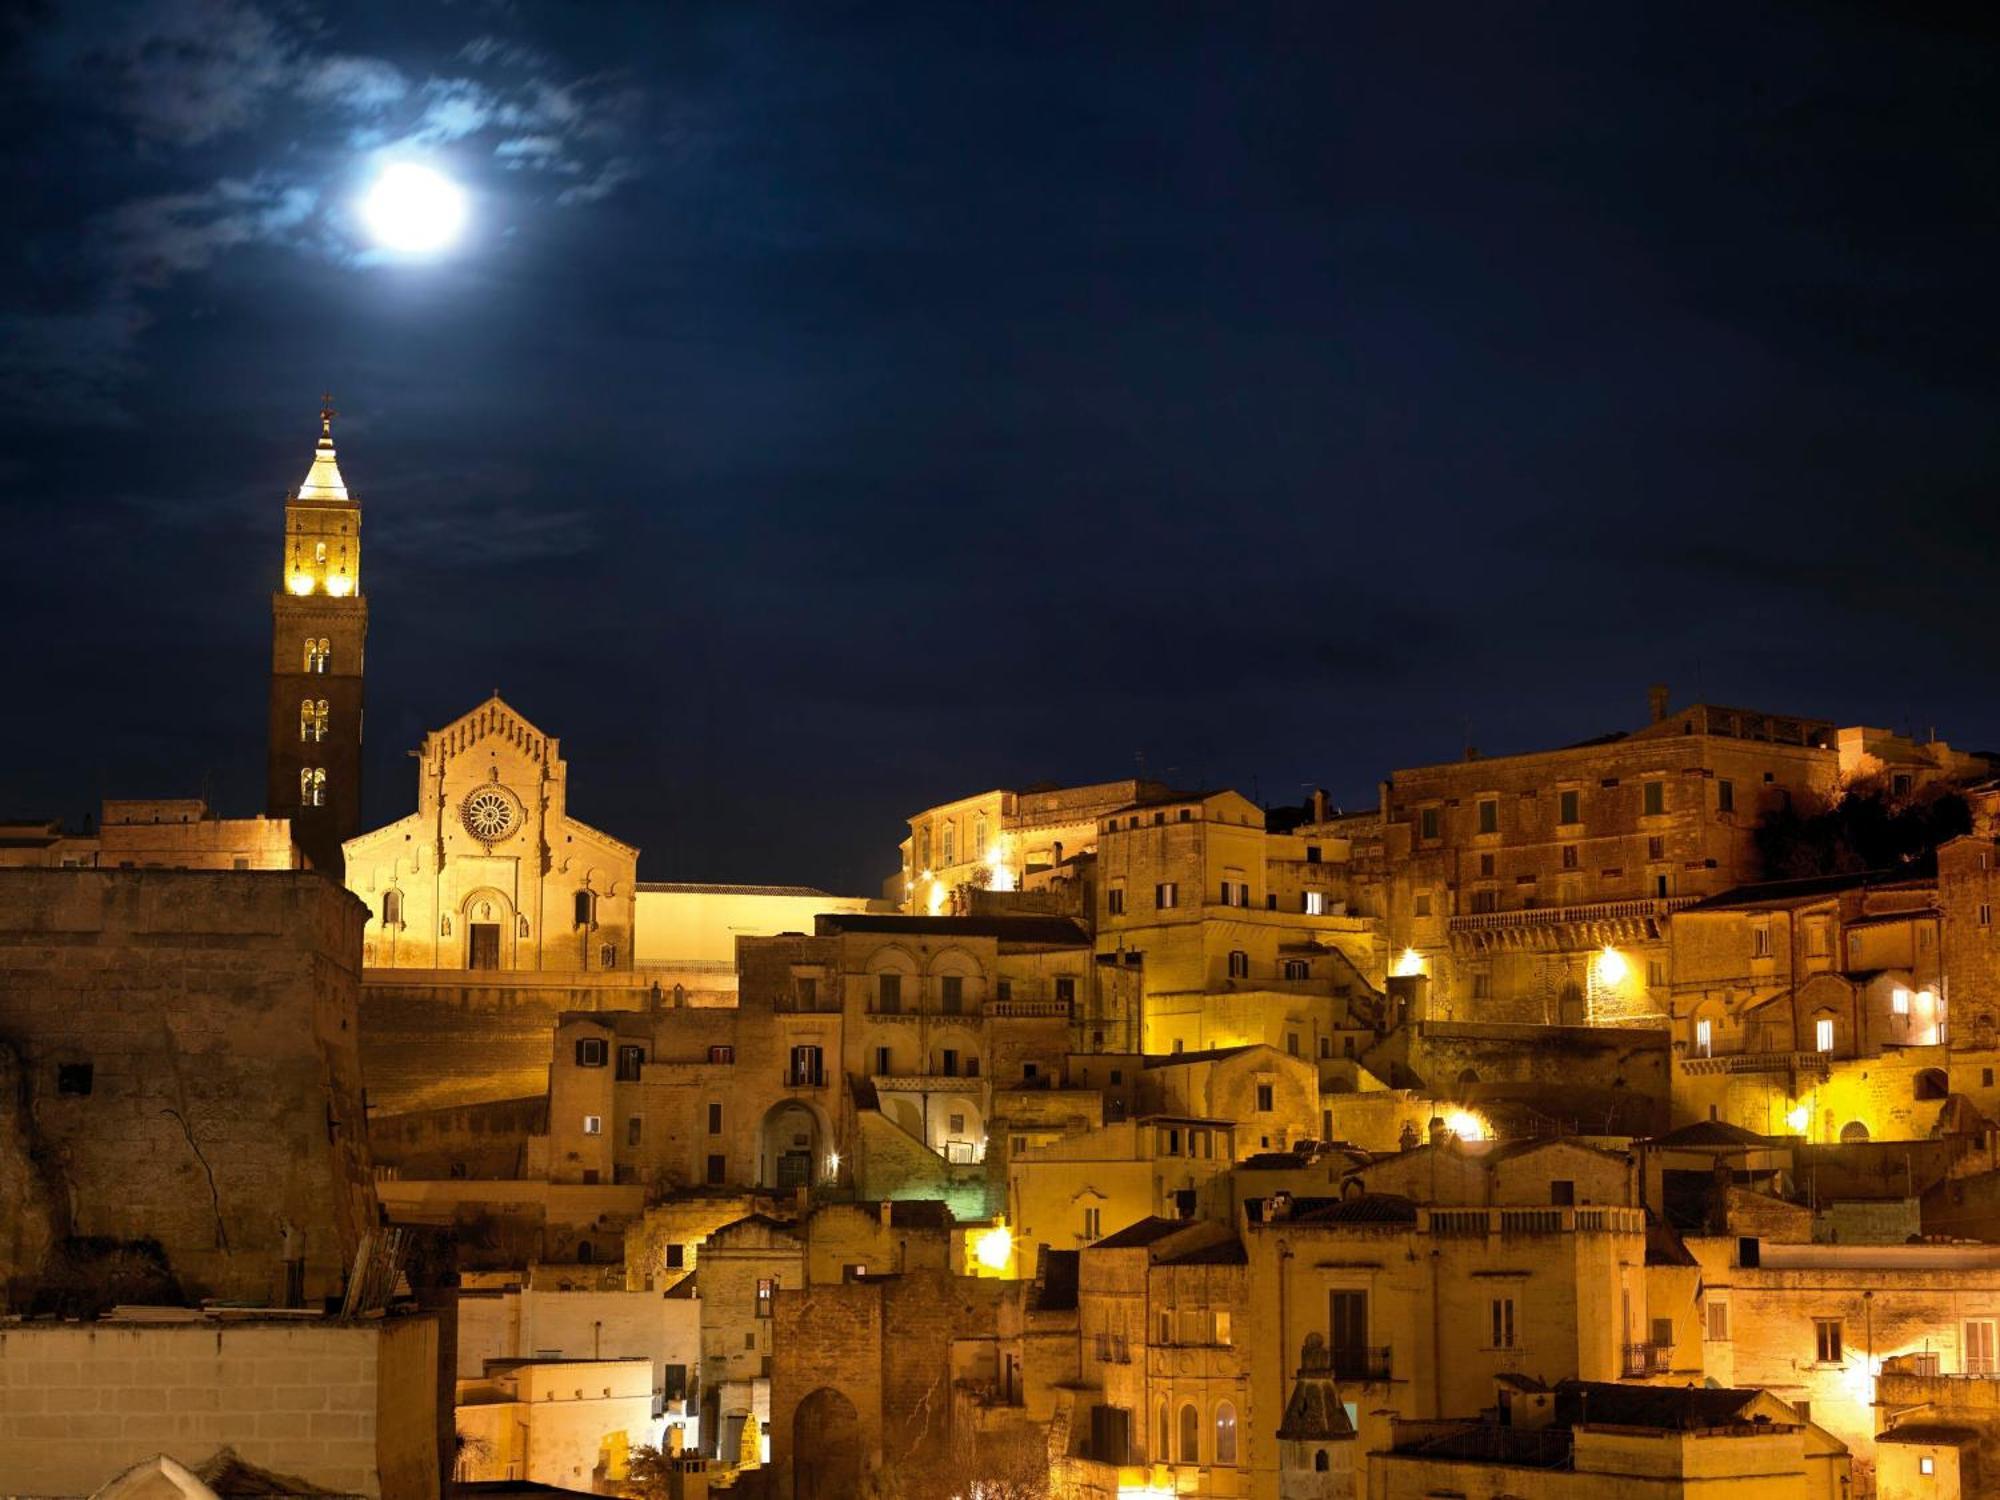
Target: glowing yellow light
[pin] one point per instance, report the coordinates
(1464, 1124)
(1411, 962)
(926, 875)
(994, 1248)
(832, 1163)
(340, 586)
(937, 897)
(1799, 1118)
(1611, 966)
(1001, 877)
(300, 583)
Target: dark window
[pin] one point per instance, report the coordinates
(808, 990)
(1312, 854)
(1427, 823)
(1562, 1191)
(1065, 989)
(590, 1051)
(715, 1119)
(950, 1064)
(1567, 808)
(585, 907)
(1187, 815)
(1569, 856)
(1165, 895)
(1003, 989)
(1826, 1336)
(630, 1061)
(718, 1171)
(881, 1059)
(1656, 847)
(1347, 1328)
(1114, 901)
(635, 1128)
(392, 908)
(1725, 796)
(1656, 798)
(1239, 964)
(1489, 817)
(676, 1257)
(73, 1078)
(1264, 1098)
(888, 993)
(951, 994)
(723, 1053)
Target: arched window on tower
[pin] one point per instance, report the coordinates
(312, 787)
(392, 908)
(312, 720)
(1225, 1432)
(319, 653)
(586, 908)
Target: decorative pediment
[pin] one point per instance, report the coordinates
(492, 720)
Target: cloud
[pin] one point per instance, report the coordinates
(609, 176)
(365, 85)
(183, 71)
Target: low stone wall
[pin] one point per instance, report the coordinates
(351, 1407)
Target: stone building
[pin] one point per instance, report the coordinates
(1537, 887)
(999, 840)
(319, 632)
(1818, 1324)
(208, 1107)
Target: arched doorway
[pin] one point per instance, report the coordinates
(791, 1146)
(826, 1448)
(1853, 1131)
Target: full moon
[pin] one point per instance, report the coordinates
(414, 209)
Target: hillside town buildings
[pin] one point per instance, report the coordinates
(1549, 1127)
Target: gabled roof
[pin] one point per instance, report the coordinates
(1141, 1233)
(1059, 931)
(1212, 1054)
(1929, 1434)
(1229, 1252)
(1680, 1408)
(1710, 1133)
(1363, 1208)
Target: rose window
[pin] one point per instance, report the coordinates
(490, 814)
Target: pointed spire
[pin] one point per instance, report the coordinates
(323, 481)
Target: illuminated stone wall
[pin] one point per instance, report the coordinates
(187, 1046)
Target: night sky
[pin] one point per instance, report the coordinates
(832, 410)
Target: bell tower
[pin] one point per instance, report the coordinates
(319, 625)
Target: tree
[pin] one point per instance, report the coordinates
(649, 1475)
(1864, 827)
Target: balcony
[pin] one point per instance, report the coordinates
(1510, 1223)
(1556, 928)
(1023, 1010)
(1360, 1363)
(1759, 1062)
(805, 1078)
(1644, 1360)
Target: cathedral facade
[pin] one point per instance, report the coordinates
(491, 872)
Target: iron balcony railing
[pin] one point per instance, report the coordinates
(1646, 1359)
(1360, 1362)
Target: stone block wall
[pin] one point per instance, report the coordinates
(187, 1041)
(351, 1407)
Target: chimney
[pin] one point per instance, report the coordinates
(1437, 1130)
(1656, 699)
(887, 1210)
(1319, 805)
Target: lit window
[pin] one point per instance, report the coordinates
(1704, 1037)
(1899, 1001)
(1823, 1034)
(1926, 1465)
(593, 1124)
(767, 1291)
(1239, 964)
(1221, 1326)
(312, 787)
(1315, 903)
(1826, 1340)
(1225, 1432)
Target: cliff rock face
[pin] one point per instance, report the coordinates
(32, 1215)
(180, 1091)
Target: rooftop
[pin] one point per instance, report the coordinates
(1059, 931)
